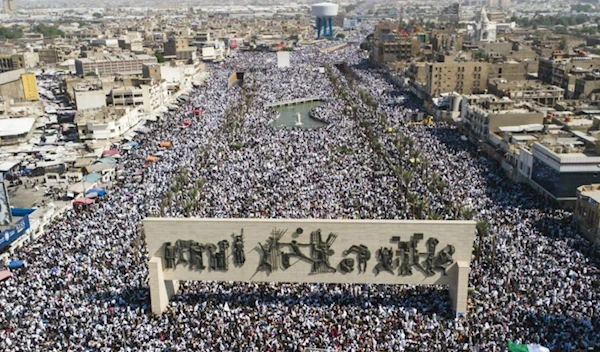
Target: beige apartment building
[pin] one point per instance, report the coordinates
(26, 60)
(526, 90)
(464, 77)
(395, 49)
(179, 49)
(483, 115)
(588, 87)
(564, 71)
(145, 93)
(108, 65)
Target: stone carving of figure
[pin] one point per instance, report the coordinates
(239, 257)
(346, 265)
(363, 254)
(320, 253)
(405, 266)
(181, 248)
(169, 256)
(196, 261)
(221, 256)
(265, 258)
(444, 258)
(384, 260)
(430, 259)
(210, 251)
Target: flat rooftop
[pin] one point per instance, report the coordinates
(594, 194)
(17, 126)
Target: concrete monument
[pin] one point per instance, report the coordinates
(322, 251)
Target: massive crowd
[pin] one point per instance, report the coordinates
(85, 287)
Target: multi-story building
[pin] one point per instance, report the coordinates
(561, 165)
(505, 4)
(50, 56)
(107, 122)
(392, 44)
(449, 75)
(588, 87)
(108, 65)
(9, 6)
(510, 70)
(564, 71)
(173, 75)
(526, 90)
(451, 13)
(179, 49)
(587, 212)
(486, 114)
(392, 48)
(18, 85)
(24, 60)
(145, 93)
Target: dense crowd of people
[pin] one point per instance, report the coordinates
(85, 287)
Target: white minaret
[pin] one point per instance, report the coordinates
(487, 29)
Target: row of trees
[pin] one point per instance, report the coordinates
(546, 21)
(48, 31)
(180, 185)
(16, 32)
(410, 165)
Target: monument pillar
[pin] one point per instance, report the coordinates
(459, 287)
(160, 290)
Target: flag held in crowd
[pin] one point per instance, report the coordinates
(515, 347)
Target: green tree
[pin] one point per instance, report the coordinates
(564, 46)
(479, 55)
(366, 46)
(14, 32)
(159, 56)
(90, 74)
(97, 15)
(48, 31)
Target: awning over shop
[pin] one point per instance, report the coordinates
(99, 191)
(93, 177)
(5, 274)
(83, 201)
(111, 161)
(111, 152)
(16, 263)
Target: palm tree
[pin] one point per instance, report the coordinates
(169, 199)
(407, 178)
(194, 193)
(468, 213)
(419, 208)
(483, 230)
(187, 207)
(435, 216)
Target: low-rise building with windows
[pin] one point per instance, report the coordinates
(587, 212)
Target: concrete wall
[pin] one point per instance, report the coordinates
(370, 233)
(13, 90)
(91, 99)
